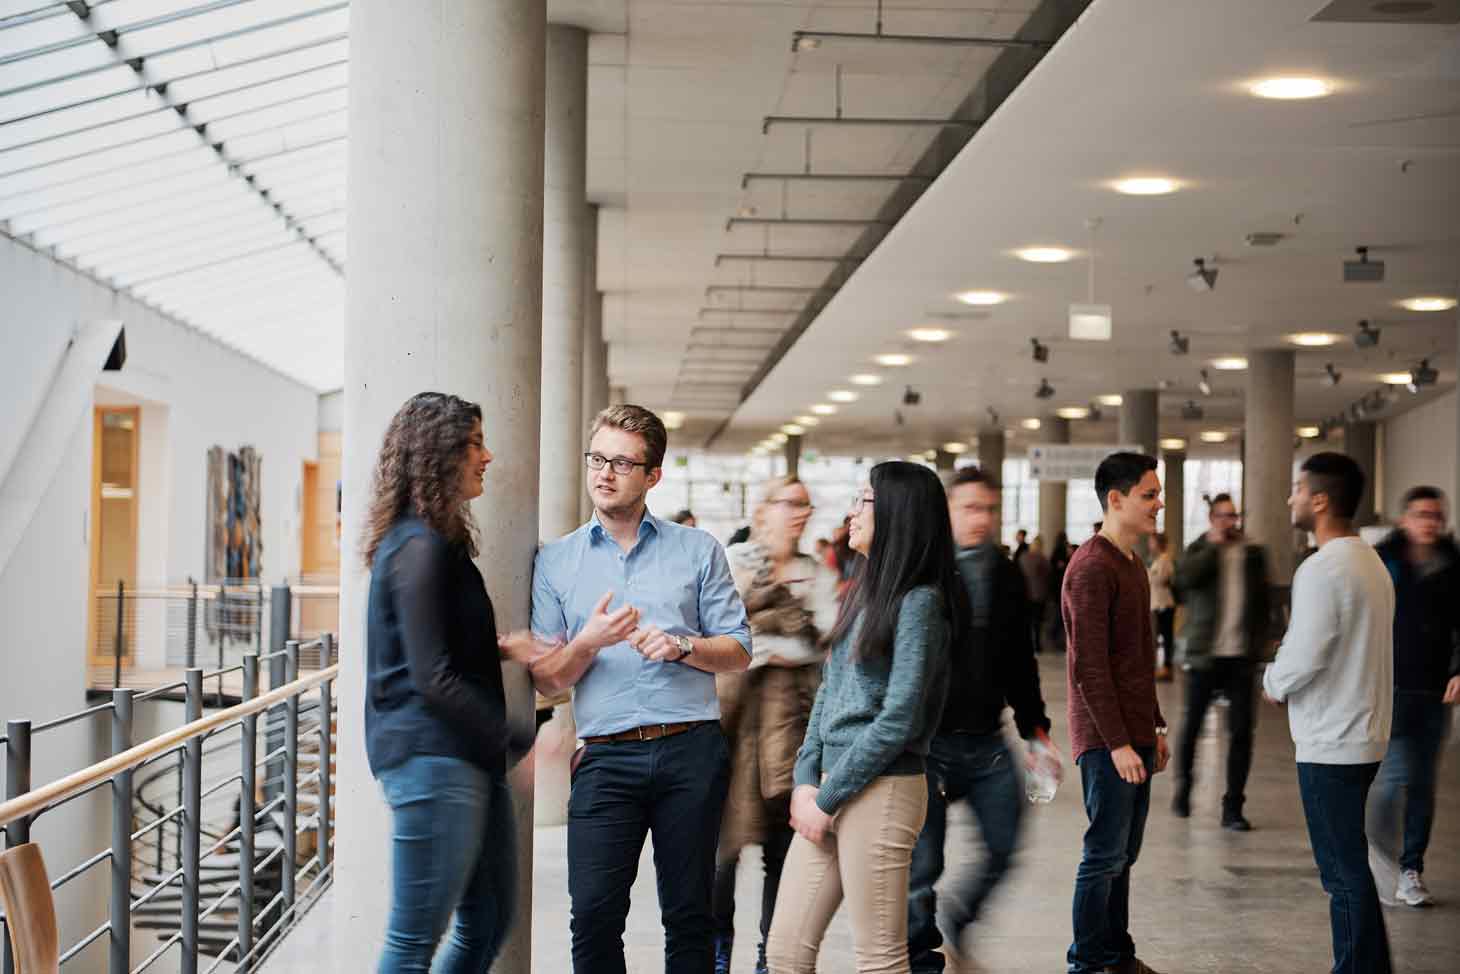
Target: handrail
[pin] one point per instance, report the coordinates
(38, 799)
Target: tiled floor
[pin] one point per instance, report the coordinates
(1204, 901)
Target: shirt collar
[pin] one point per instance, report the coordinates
(597, 532)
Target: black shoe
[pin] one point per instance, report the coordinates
(1232, 818)
(760, 964)
(1181, 803)
(722, 954)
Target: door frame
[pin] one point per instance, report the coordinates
(98, 412)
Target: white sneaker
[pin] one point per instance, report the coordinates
(1411, 890)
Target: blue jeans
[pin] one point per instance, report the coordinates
(1117, 813)
(1333, 802)
(1404, 792)
(673, 788)
(979, 770)
(453, 848)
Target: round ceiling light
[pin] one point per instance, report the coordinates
(1114, 399)
(842, 395)
(779, 438)
(808, 421)
(1173, 443)
(1230, 363)
(1072, 412)
(1030, 424)
(955, 447)
(673, 420)
(930, 335)
(1291, 89)
(1045, 255)
(892, 360)
(1214, 436)
(1431, 303)
(981, 299)
(1146, 186)
(1394, 378)
(824, 409)
(1313, 339)
(791, 429)
(865, 379)
(1308, 432)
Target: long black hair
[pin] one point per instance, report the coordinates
(912, 545)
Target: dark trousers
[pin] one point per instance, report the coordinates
(979, 770)
(1036, 624)
(673, 788)
(773, 858)
(1117, 812)
(1404, 791)
(1166, 629)
(1333, 802)
(1236, 679)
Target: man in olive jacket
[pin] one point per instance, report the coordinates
(1222, 582)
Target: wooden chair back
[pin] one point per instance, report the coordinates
(30, 910)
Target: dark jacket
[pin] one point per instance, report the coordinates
(1426, 615)
(1197, 585)
(996, 665)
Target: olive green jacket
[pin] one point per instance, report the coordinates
(1197, 585)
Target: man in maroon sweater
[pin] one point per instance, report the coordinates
(1117, 733)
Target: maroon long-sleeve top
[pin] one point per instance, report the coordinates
(1111, 660)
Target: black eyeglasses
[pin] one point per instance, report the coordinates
(622, 466)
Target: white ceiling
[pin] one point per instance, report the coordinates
(1158, 89)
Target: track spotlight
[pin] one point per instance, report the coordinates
(1095, 413)
(1363, 270)
(1331, 376)
(993, 416)
(1045, 390)
(1191, 410)
(1366, 337)
(911, 397)
(1180, 344)
(1205, 384)
(1422, 375)
(1041, 352)
(1202, 279)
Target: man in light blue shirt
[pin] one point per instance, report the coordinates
(647, 614)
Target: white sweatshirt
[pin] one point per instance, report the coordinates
(1335, 667)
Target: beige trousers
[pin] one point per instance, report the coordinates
(866, 861)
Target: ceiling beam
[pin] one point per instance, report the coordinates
(808, 40)
(787, 258)
(830, 177)
(775, 121)
(805, 221)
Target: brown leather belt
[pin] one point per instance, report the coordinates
(649, 732)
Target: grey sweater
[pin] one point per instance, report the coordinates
(876, 716)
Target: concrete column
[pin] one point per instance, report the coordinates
(444, 293)
(991, 453)
(793, 456)
(1359, 442)
(1268, 458)
(1139, 419)
(1053, 494)
(944, 462)
(564, 256)
(595, 352)
(1175, 498)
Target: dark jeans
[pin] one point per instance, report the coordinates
(1404, 791)
(1166, 629)
(773, 857)
(1036, 624)
(1236, 679)
(675, 789)
(1333, 802)
(1117, 813)
(453, 848)
(979, 770)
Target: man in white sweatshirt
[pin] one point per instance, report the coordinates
(1335, 671)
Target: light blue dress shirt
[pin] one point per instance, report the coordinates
(679, 580)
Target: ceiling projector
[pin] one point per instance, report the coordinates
(1363, 270)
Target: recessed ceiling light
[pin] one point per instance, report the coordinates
(1030, 424)
(808, 421)
(892, 360)
(1288, 89)
(929, 335)
(842, 395)
(1427, 304)
(824, 409)
(865, 379)
(1395, 378)
(673, 420)
(1174, 443)
(1231, 363)
(1045, 255)
(1011, 432)
(779, 438)
(1308, 432)
(1110, 400)
(1213, 436)
(955, 447)
(1146, 186)
(981, 298)
(1072, 412)
(1313, 339)
(791, 429)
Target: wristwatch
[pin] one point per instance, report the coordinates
(685, 647)
(1162, 731)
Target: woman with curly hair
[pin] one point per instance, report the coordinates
(436, 728)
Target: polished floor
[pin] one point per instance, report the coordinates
(1204, 901)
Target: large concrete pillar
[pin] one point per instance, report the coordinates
(1053, 494)
(1359, 442)
(1175, 497)
(991, 453)
(595, 352)
(564, 256)
(1268, 458)
(793, 455)
(444, 293)
(1139, 419)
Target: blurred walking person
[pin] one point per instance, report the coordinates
(790, 598)
(861, 788)
(1035, 568)
(1163, 604)
(1059, 561)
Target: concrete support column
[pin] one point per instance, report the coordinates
(1175, 497)
(1053, 494)
(1139, 419)
(1360, 442)
(595, 352)
(564, 255)
(944, 462)
(793, 456)
(1268, 458)
(991, 453)
(444, 293)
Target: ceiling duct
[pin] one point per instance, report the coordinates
(1389, 12)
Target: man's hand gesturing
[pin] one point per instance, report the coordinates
(605, 628)
(655, 644)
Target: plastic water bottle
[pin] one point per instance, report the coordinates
(1043, 778)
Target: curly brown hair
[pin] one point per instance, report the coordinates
(419, 471)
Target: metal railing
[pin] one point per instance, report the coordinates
(282, 706)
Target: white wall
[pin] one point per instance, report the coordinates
(195, 392)
(1418, 447)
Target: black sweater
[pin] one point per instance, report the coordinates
(995, 665)
(433, 674)
(1426, 615)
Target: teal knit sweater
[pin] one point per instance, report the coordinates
(876, 716)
